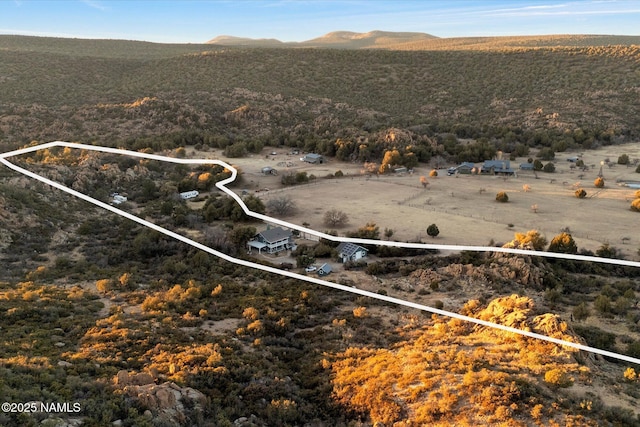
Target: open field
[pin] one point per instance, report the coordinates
(463, 214)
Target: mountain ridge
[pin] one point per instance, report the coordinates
(377, 39)
(335, 39)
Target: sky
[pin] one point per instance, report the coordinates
(298, 20)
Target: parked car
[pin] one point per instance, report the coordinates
(311, 269)
(451, 171)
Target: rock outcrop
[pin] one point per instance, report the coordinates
(167, 401)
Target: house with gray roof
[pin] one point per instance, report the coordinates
(313, 158)
(497, 167)
(351, 252)
(272, 240)
(324, 269)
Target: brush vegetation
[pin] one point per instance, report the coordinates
(88, 299)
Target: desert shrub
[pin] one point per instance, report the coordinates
(355, 265)
(549, 168)
(599, 182)
(580, 193)
(603, 304)
(635, 205)
(433, 230)
(630, 374)
(563, 243)
(581, 312)
(607, 251)
(338, 174)
(633, 349)
(596, 337)
(557, 377)
(531, 239)
(369, 231)
(638, 169)
(502, 197)
(623, 159)
(433, 173)
(322, 251)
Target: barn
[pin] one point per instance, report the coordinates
(313, 158)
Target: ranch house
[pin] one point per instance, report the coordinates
(272, 240)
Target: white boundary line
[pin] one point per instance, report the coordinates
(222, 186)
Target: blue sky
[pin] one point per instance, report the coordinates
(291, 20)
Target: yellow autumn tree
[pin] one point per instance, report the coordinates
(391, 158)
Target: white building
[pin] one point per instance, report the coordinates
(189, 194)
(117, 199)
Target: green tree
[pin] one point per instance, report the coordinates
(433, 230)
(623, 159)
(563, 243)
(239, 236)
(546, 154)
(304, 260)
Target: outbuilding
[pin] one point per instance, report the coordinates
(351, 252)
(313, 158)
(324, 269)
(268, 170)
(526, 166)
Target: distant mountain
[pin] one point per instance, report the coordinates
(424, 41)
(245, 41)
(336, 39)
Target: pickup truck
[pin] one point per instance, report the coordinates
(286, 265)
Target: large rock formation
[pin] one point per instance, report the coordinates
(167, 401)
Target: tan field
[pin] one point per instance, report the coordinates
(463, 213)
